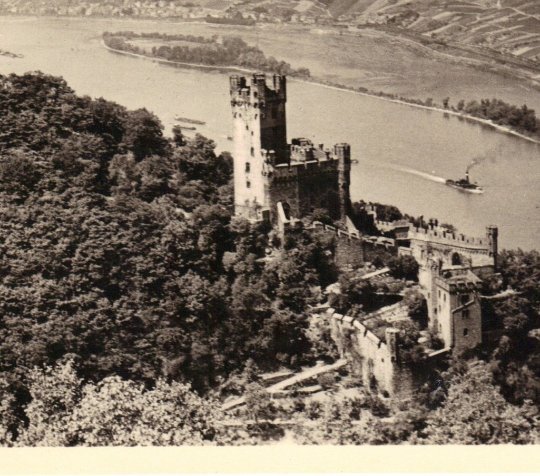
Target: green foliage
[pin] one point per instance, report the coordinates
(520, 118)
(231, 51)
(403, 266)
(259, 404)
(517, 355)
(475, 413)
(417, 306)
(410, 351)
(355, 294)
(8, 418)
(322, 343)
(65, 412)
(112, 244)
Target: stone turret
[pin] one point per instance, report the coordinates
(343, 153)
(493, 242)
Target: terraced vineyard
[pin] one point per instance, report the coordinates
(507, 26)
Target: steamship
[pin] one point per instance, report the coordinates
(465, 184)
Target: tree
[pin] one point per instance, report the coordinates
(403, 266)
(8, 419)
(116, 412)
(178, 136)
(55, 392)
(417, 306)
(258, 402)
(476, 413)
(144, 134)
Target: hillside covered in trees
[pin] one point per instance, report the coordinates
(112, 246)
(132, 302)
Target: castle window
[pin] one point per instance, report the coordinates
(247, 127)
(248, 166)
(248, 184)
(464, 298)
(252, 151)
(465, 332)
(465, 314)
(444, 296)
(251, 132)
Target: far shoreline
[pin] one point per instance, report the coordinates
(318, 82)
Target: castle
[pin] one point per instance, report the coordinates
(273, 179)
(282, 182)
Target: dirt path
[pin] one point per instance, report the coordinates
(295, 379)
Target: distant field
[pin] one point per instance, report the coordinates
(376, 61)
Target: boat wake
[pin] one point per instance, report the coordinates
(419, 173)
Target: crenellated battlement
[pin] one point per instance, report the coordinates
(375, 359)
(444, 237)
(256, 92)
(363, 331)
(317, 225)
(456, 285)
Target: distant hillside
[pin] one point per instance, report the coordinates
(506, 26)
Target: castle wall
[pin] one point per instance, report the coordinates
(284, 191)
(349, 252)
(371, 358)
(349, 249)
(438, 243)
(374, 247)
(318, 188)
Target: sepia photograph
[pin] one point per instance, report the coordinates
(285, 223)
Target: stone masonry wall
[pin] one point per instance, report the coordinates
(371, 358)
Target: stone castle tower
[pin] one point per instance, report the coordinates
(269, 173)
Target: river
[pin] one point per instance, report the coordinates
(403, 152)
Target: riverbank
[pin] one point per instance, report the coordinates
(315, 81)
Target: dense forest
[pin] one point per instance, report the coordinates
(225, 52)
(132, 302)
